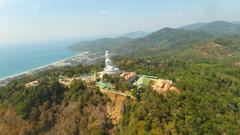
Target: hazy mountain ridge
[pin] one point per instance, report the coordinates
(135, 34)
(163, 40)
(216, 28)
(100, 45)
(193, 26)
(236, 22)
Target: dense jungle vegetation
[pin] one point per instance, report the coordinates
(209, 102)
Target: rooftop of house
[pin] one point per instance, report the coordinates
(31, 84)
(143, 81)
(128, 75)
(103, 85)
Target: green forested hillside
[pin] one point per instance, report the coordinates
(48, 107)
(163, 40)
(209, 102)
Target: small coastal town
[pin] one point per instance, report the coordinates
(82, 58)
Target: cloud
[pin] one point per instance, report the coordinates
(103, 12)
(36, 7)
(179, 14)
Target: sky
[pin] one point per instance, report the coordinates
(51, 20)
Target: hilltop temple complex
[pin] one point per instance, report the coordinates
(111, 70)
(159, 85)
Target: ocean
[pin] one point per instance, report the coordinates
(16, 59)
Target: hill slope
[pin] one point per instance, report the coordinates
(217, 28)
(100, 45)
(193, 26)
(162, 40)
(135, 34)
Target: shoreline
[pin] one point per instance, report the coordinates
(37, 68)
(81, 58)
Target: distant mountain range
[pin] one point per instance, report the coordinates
(196, 26)
(162, 40)
(217, 28)
(135, 34)
(236, 22)
(100, 45)
(166, 40)
(111, 42)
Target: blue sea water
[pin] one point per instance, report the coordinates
(15, 59)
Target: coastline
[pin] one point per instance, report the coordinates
(81, 58)
(34, 69)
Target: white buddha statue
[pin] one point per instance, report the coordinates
(110, 67)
